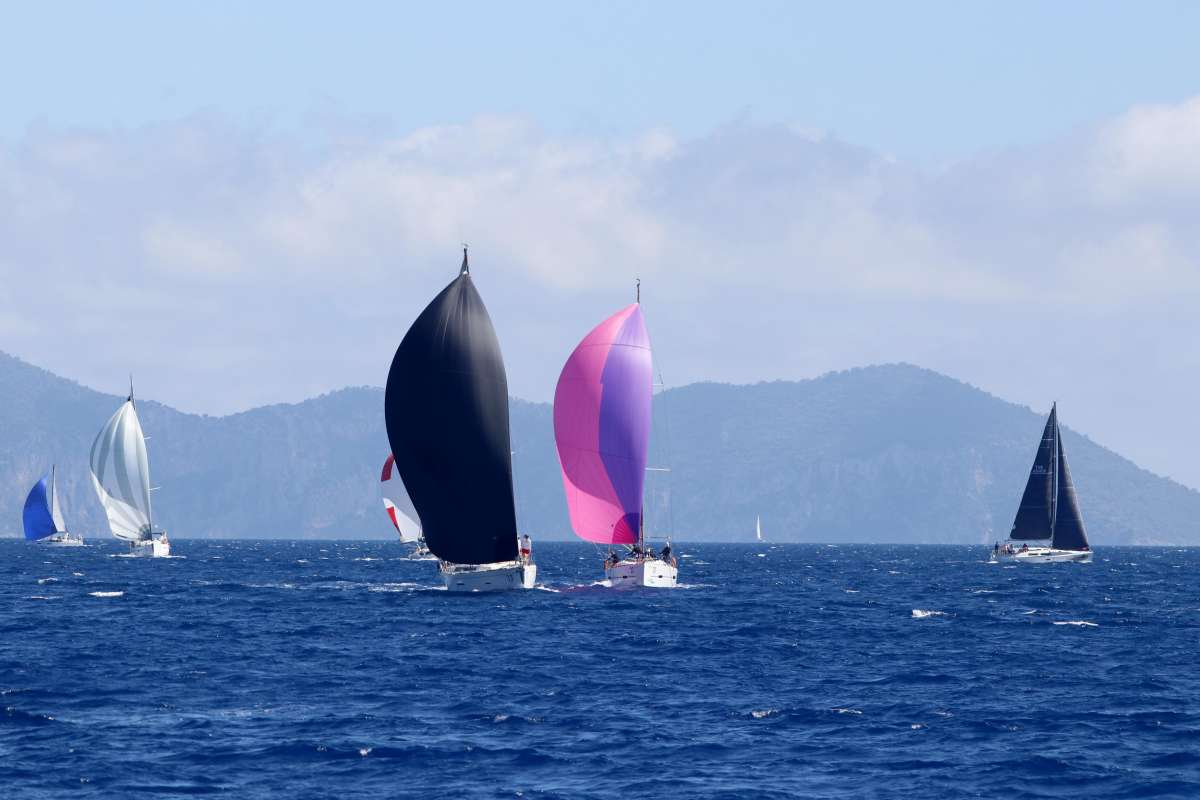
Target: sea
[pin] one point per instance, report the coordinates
(256, 669)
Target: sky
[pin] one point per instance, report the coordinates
(248, 203)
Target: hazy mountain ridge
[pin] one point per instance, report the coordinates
(890, 453)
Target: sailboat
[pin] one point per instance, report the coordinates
(446, 409)
(602, 408)
(43, 517)
(1049, 509)
(401, 512)
(121, 476)
(758, 528)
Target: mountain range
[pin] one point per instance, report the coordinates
(891, 453)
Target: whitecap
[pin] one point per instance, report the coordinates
(1081, 623)
(365, 751)
(397, 587)
(77, 574)
(853, 711)
(42, 581)
(762, 555)
(921, 613)
(764, 712)
(41, 597)
(107, 594)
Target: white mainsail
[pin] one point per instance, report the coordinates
(121, 474)
(758, 528)
(60, 525)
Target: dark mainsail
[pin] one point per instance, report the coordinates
(446, 409)
(1049, 508)
(1068, 522)
(1036, 512)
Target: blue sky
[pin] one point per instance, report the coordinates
(934, 80)
(247, 203)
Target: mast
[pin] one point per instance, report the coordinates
(1054, 472)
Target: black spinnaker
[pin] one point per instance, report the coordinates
(446, 409)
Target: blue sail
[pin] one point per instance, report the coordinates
(39, 522)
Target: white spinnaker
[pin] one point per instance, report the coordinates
(399, 506)
(55, 510)
(121, 474)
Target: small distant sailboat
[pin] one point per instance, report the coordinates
(446, 409)
(121, 476)
(401, 511)
(602, 409)
(1049, 509)
(758, 528)
(43, 517)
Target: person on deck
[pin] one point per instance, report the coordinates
(526, 548)
(666, 552)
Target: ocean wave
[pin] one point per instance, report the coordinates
(921, 613)
(106, 594)
(1081, 623)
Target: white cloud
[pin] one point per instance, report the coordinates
(232, 266)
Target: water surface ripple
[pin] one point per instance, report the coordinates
(322, 669)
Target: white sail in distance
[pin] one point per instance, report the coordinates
(758, 528)
(60, 525)
(121, 474)
(399, 505)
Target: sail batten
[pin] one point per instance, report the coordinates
(602, 428)
(446, 409)
(121, 474)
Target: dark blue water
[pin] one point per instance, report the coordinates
(254, 669)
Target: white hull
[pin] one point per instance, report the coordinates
(421, 553)
(500, 577)
(66, 541)
(1045, 555)
(155, 548)
(651, 572)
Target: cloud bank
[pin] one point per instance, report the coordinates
(229, 266)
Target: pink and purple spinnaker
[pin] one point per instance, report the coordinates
(602, 428)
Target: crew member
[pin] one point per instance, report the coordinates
(526, 548)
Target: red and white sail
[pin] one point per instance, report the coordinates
(399, 507)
